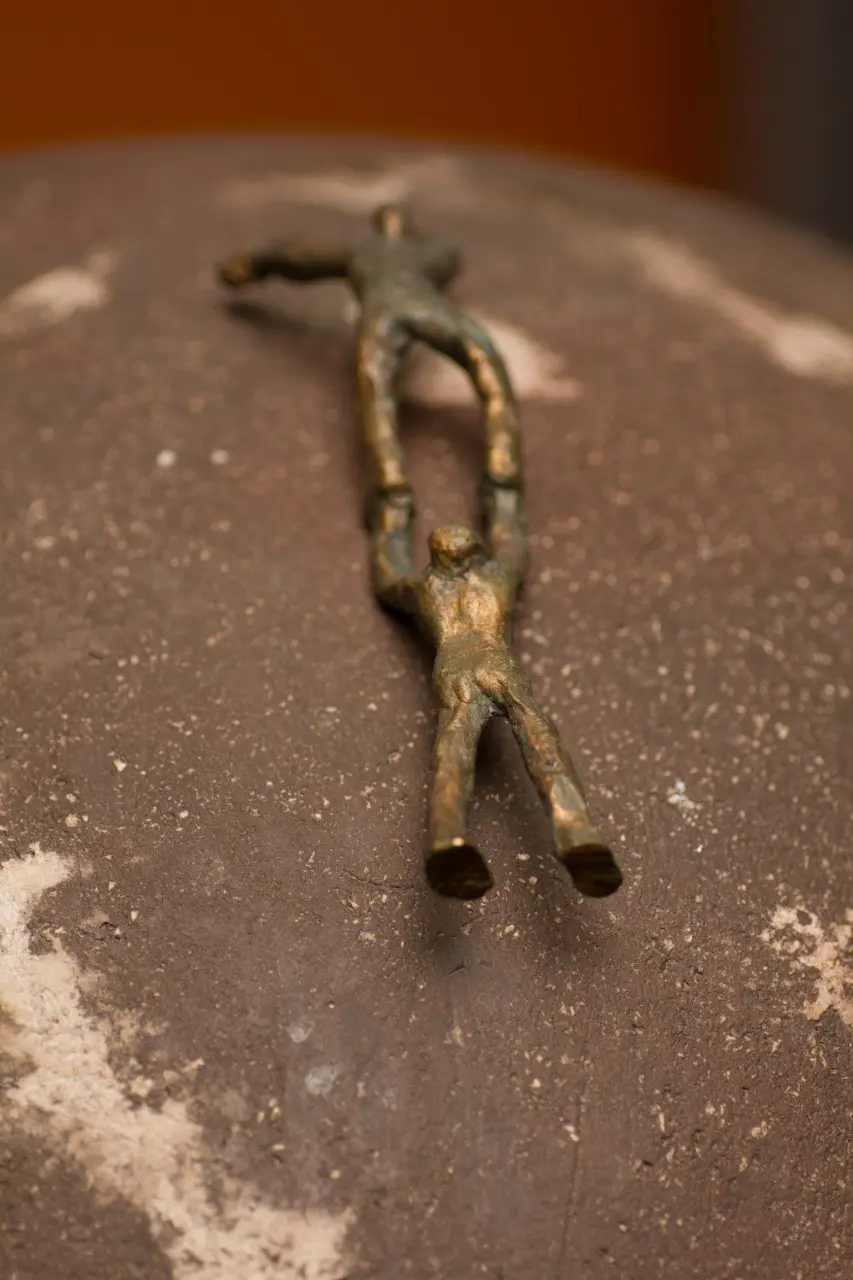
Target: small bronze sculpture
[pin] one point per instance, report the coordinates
(465, 600)
(398, 277)
(466, 597)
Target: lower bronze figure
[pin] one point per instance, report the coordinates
(465, 598)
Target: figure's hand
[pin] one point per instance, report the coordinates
(237, 270)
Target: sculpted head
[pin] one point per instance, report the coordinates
(392, 221)
(453, 548)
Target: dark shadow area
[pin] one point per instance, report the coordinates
(790, 135)
(500, 766)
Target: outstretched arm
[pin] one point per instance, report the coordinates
(506, 530)
(391, 521)
(295, 260)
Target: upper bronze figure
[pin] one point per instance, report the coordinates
(398, 277)
(464, 600)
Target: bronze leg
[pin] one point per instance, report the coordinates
(464, 341)
(379, 353)
(390, 505)
(484, 364)
(578, 845)
(454, 867)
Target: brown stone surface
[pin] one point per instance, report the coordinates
(534, 1085)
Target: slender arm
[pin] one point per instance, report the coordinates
(294, 260)
(391, 521)
(506, 530)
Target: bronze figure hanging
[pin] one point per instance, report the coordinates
(465, 598)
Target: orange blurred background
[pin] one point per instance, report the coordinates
(629, 83)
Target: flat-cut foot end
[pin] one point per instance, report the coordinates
(592, 866)
(236, 271)
(458, 871)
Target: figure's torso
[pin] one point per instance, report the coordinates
(469, 618)
(392, 275)
(469, 612)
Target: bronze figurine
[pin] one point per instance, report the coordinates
(466, 597)
(398, 277)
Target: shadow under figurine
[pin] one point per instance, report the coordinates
(464, 600)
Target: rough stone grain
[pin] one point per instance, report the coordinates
(207, 719)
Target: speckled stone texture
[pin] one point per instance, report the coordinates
(226, 743)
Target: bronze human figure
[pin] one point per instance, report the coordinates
(464, 600)
(398, 276)
(466, 597)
